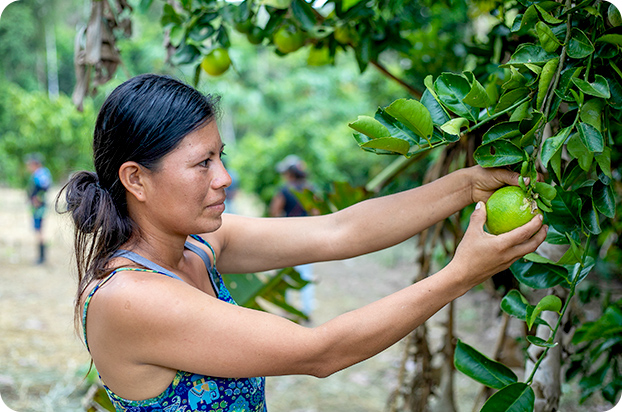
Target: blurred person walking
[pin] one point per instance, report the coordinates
(38, 184)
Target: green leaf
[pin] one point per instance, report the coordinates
(543, 206)
(437, 112)
(398, 130)
(390, 144)
(481, 368)
(609, 324)
(369, 127)
(589, 218)
(615, 39)
(591, 112)
(521, 112)
(574, 253)
(508, 98)
(504, 130)
(452, 89)
(516, 79)
(303, 12)
(591, 137)
(528, 128)
(538, 275)
(347, 4)
(600, 87)
(413, 115)
(550, 302)
(248, 288)
(186, 54)
(277, 4)
(454, 125)
(577, 149)
(553, 144)
(604, 199)
(477, 96)
(604, 161)
(566, 211)
(528, 53)
(556, 164)
(170, 17)
(546, 16)
(579, 46)
(534, 257)
(547, 38)
(540, 342)
(548, 72)
(525, 20)
(517, 397)
(515, 304)
(579, 273)
(499, 153)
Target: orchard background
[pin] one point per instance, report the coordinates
(424, 88)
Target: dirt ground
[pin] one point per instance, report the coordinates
(42, 360)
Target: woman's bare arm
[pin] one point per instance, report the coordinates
(255, 244)
(215, 338)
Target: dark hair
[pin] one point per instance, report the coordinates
(142, 120)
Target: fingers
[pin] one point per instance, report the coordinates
(478, 217)
(528, 237)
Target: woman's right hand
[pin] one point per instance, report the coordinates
(481, 255)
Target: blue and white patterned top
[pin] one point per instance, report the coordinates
(188, 391)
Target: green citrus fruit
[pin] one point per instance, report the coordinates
(509, 208)
(255, 35)
(216, 62)
(287, 40)
(244, 26)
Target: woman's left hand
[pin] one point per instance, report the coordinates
(484, 182)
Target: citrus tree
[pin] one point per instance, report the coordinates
(539, 92)
(552, 108)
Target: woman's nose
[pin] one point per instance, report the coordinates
(223, 178)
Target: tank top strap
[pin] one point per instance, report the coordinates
(215, 277)
(202, 241)
(135, 257)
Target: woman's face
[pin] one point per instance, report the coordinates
(186, 192)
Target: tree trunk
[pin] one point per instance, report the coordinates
(547, 379)
(52, 60)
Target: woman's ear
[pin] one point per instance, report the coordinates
(131, 175)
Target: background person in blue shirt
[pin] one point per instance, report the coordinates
(38, 184)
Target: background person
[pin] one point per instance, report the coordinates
(160, 325)
(285, 204)
(38, 184)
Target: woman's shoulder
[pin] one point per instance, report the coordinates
(131, 291)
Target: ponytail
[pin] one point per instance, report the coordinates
(99, 228)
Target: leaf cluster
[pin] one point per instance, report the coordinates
(553, 107)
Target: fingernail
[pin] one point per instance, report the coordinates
(526, 180)
(478, 205)
(541, 217)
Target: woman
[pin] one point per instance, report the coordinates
(161, 327)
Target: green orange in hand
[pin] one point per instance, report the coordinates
(509, 208)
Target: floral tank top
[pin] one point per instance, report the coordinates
(188, 391)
